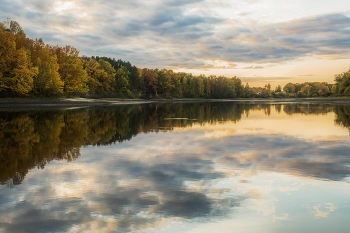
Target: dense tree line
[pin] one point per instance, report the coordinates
(32, 68)
(307, 89)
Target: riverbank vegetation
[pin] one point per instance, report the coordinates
(31, 68)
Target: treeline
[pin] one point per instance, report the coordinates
(307, 89)
(32, 68)
(303, 90)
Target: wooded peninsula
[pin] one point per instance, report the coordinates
(31, 68)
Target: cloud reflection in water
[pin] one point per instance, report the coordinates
(157, 180)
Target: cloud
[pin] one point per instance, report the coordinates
(264, 78)
(172, 33)
(282, 217)
(279, 159)
(305, 75)
(137, 196)
(46, 219)
(253, 67)
(324, 212)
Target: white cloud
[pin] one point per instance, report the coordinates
(212, 36)
(323, 211)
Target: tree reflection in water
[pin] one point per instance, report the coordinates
(32, 139)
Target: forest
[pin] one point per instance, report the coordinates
(31, 68)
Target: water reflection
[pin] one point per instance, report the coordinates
(342, 116)
(29, 140)
(208, 161)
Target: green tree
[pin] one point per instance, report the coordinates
(192, 86)
(278, 89)
(239, 88)
(72, 71)
(176, 88)
(135, 79)
(207, 88)
(150, 78)
(268, 90)
(347, 91)
(48, 81)
(289, 88)
(122, 80)
(342, 81)
(247, 91)
(200, 85)
(306, 90)
(164, 82)
(99, 81)
(109, 70)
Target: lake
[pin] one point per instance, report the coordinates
(190, 167)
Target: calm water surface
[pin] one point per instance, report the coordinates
(207, 167)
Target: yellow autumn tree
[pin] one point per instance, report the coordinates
(48, 81)
(71, 71)
(16, 70)
(100, 82)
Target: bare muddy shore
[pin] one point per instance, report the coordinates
(62, 103)
(32, 104)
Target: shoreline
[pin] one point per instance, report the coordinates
(61, 103)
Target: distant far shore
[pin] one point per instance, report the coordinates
(64, 103)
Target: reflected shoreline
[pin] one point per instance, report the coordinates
(32, 139)
(155, 167)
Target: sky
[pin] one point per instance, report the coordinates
(259, 41)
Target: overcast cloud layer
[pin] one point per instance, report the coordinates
(194, 34)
